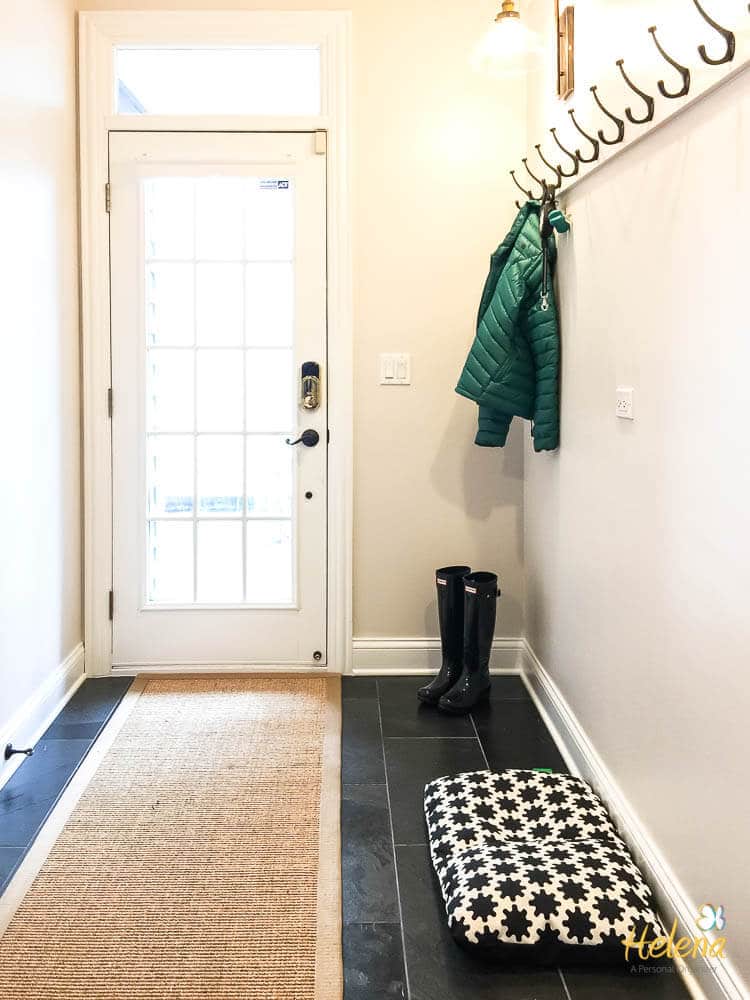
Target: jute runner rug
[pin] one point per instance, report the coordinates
(200, 856)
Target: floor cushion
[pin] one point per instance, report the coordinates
(484, 807)
(531, 868)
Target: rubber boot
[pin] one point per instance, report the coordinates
(480, 610)
(450, 601)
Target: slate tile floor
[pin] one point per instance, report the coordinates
(396, 943)
(32, 791)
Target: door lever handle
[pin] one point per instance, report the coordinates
(308, 438)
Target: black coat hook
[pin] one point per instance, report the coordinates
(618, 122)
(551, 166)
(518, 184)
(725, 33)
(542, 184)
(567, 152)
(682, 70)
(650, 103)
(594, 142)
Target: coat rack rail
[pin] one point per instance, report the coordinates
(555, 190)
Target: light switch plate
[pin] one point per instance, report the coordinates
(624, 403)
(395, 369)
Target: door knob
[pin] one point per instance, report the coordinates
(308, 438)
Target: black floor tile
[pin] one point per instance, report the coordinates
(508, 687)
(74, 731)
(10, 858)
(368, 876)
(359, 687)
(31, 792)
(361, 745)
(404, 715)
(93, 702)
(373, 962)
(625, 984)
(411, 764)
(514, 735)
(438, 968)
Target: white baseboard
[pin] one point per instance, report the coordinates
(422, 656)
(705, 978)
(40, 709)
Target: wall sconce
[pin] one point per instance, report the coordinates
(565, 51)
(503, 48)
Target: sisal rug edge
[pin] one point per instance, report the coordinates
(329, 972)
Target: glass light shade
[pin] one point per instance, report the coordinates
(503, 48)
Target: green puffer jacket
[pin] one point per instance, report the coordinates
(513, 366)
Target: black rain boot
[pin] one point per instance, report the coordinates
(450, 602)
(480, 610)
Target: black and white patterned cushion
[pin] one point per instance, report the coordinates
(522, 884)
(484, 807)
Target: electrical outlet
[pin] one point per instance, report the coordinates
(624, 404)
(395, 369)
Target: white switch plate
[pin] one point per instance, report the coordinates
(624, 404)
(395, 369)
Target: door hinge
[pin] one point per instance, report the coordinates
(108, 197)
(111, 605)
(109, 402)
(321, 142)
(328, 437)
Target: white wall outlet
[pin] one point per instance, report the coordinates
(395, 369)
(624, 404)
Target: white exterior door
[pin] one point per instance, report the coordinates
(218, 278)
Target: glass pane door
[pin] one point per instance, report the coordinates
(218, 263)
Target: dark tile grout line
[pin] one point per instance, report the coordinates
(476, 733)
(423, 738)
(393, 846)
(565, 985)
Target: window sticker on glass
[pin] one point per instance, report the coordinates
(270, 185)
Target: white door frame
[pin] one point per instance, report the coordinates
(99, 33)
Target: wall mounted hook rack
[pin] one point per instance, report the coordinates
(725, 33)
(555, 170)
(682, 70)
(618, 121)
(542, 184)
(574, 158)
(594, 142)
(649, 101)
(520, 186)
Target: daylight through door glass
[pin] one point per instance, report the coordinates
(220, 384)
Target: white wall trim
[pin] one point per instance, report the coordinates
(422, 656)
(705, 978)
(99, 32)
(40, 709)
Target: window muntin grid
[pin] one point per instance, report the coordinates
(219, 322)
